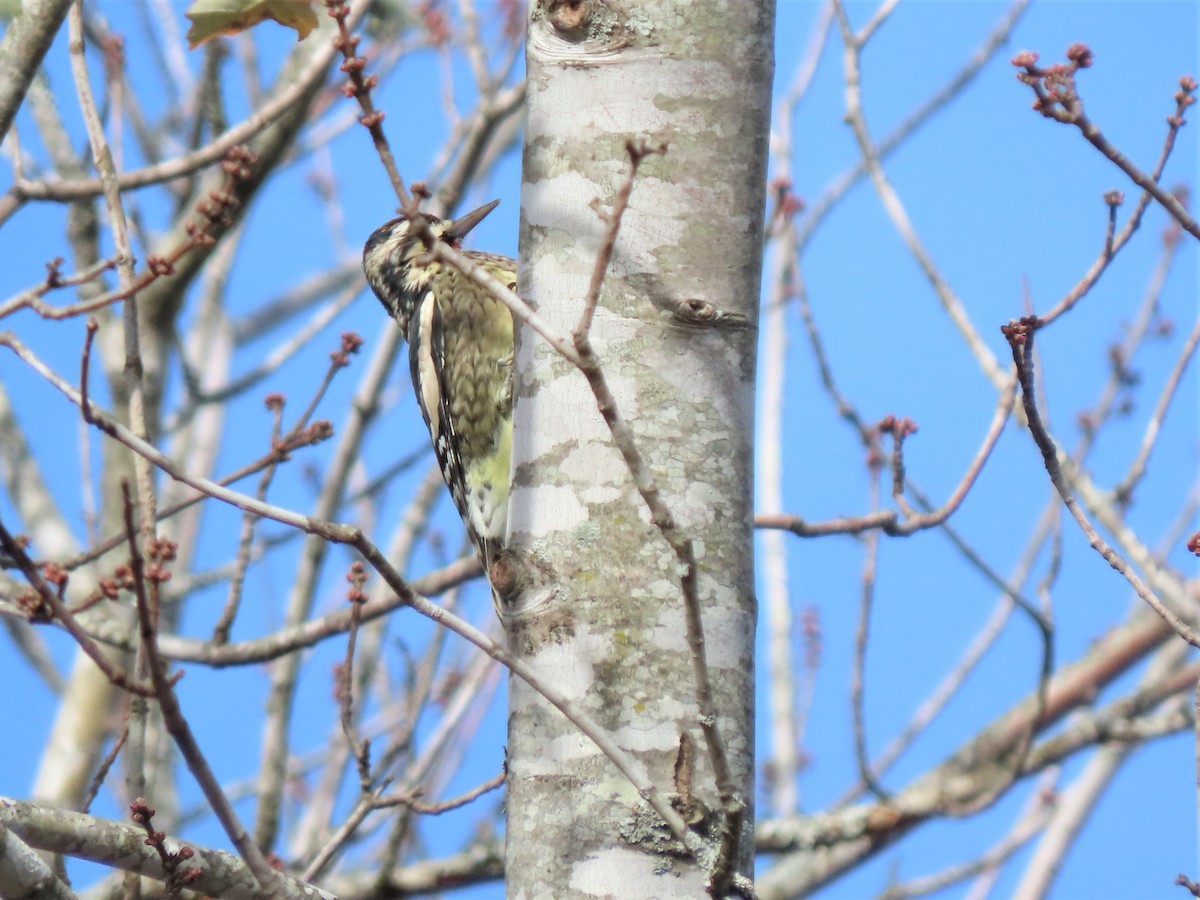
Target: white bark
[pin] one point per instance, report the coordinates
(600, 612)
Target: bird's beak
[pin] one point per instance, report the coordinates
(463, 224)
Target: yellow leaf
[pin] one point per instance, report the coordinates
(211, 18)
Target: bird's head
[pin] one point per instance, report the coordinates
(397, 264)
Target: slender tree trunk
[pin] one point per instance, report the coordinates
(600, 609)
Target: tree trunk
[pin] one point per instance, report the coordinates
(603, 616)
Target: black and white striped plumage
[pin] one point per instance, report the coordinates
(460, 343)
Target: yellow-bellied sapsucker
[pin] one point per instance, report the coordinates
(460, 352)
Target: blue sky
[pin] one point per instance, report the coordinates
(1002, 198)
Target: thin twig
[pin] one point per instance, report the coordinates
(861, 637)
(890, 199)
(637, 152)
(888, 520)
(345, 678)
(220, 632)
(436, 809)
(819, 209)
(176, 723)
(48, 596)
(416, 773)
(1137, 468)
(732, 804)
(1058, 98)
(1020, 337)
(86, 188)
(139, 416)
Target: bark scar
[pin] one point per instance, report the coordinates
(694, 312)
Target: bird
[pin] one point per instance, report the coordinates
(460, 353)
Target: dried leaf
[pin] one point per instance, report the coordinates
(211, 18)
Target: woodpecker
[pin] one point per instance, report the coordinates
(460, 353)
